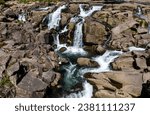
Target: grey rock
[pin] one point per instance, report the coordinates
(29, 85)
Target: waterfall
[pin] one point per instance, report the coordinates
(86, 93)
(53, 19)
(89, 12)
(22, 17)
(72, 74)
(78, 35)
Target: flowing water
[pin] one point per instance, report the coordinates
(74, 84)
(53, 19)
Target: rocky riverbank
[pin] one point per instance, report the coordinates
(31, 67)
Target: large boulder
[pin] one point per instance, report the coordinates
(87, 62)
(124, 62)
(108, 83)
(94, 32)
(30, 85)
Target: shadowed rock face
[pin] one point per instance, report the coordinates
(30, 67)
(145, 93)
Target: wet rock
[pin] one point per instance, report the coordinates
(62, 60)
(62, 49)
(91, 49)
(87, 62)
(101, 49)
(65, 18)
(30, 84)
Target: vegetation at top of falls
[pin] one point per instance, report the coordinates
(27, 1)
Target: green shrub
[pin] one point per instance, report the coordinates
(2, 1)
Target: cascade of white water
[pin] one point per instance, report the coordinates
(87, 92)
(89, 12)
(22, 17)
(132, 48)
(54, 18)
(78, 35)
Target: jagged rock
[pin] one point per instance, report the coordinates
(94, 49)
(53, 56)
(123, 63)
(140, 54)
(9, 13)
(37, 17)
(104, 94)
(87, 62)
(101, 49)
(106, 84)
(3, 64)
(143, 40)
(62, 49)
(21, 34)
(73, 8)
(7, 92)
(111, 94)
(13, 68)
(51, 77)
(122, 94)
(44, 37)
(91, 49)
(94, 32)
(2, 18)
(65, 18)
(146, 77)
(29, 85)
(3, 31)
(124, 26)
(102, 83)
(141, 63)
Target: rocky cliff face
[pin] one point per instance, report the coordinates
(29, 66)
